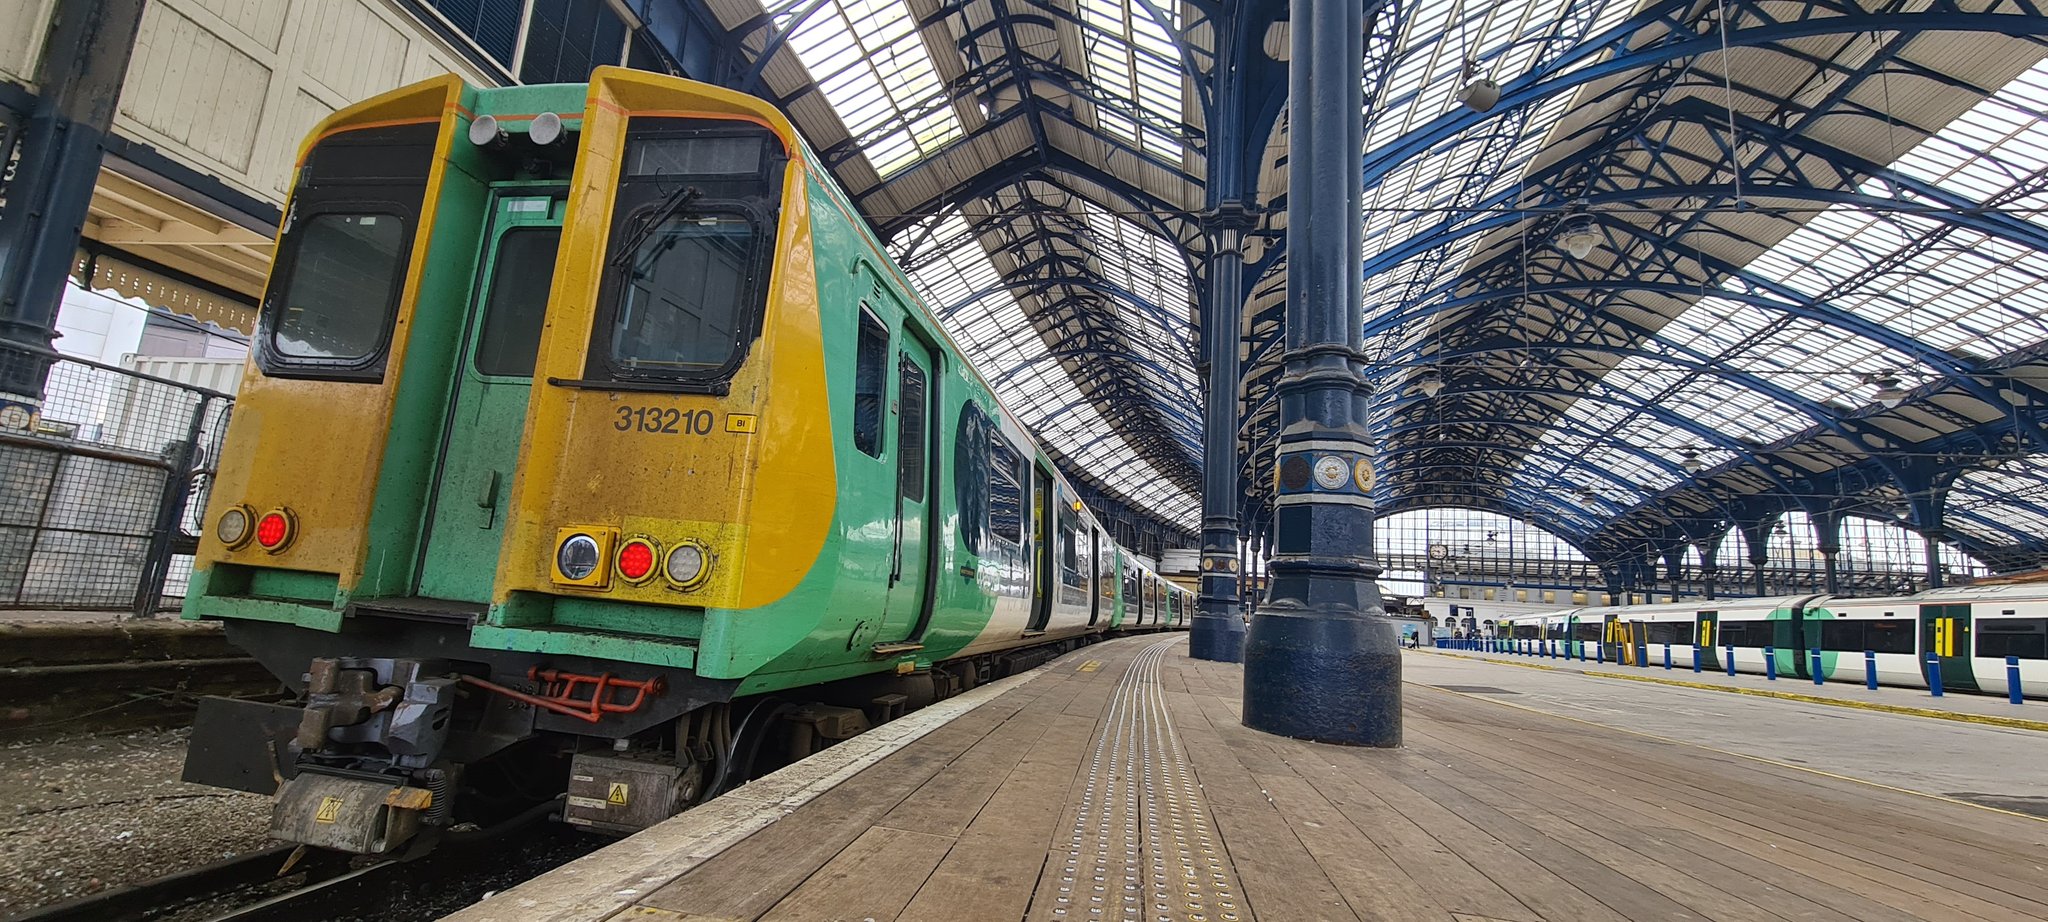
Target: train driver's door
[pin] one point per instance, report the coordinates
(493, 380)
(909, 568)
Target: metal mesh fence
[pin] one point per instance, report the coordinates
(101, 494)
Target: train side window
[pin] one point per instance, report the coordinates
(1843, 635)
(1673, 632)
(970, 475)
(343, 254)
(344, 277)
(870, 385)
(1890, 636)
(1740, 634)
(1005, 494)
(2026, 638)
(910, 431)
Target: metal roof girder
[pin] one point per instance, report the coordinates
(1680, 42)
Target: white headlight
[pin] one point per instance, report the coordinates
(233, 527)
(577, 558)
(685, 564)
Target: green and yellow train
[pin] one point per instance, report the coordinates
(590, 434)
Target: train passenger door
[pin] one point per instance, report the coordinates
(909, 570)
(1945, 633)
(487, 412)
(1042, 578)
(1096, 587)
(1705, 638)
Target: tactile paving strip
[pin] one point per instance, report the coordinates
(1143, 848)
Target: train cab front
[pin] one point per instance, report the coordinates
(495, 484)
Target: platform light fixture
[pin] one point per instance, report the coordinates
(1689, 459)
(1479, 95)
(1890, 392)
(1430, 383)
(1578, 235)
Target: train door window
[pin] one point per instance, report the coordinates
(1005, 494)
(2026, 638)
(870, 386)
(910, 429)
(518, 302)
(970, 476)
(1073, 581)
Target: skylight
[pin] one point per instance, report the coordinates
(869, 62)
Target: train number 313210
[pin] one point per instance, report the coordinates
(665, 420)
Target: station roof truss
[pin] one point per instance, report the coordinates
(1815, 272)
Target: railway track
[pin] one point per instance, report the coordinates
(108, 675)
(289, 884)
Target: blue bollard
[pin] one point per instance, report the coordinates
(1870, 670)
(1934, 674)
(1599, 653)
(1771, 664)
(2012, 681)
(1667, 656)
(1731, 658)
(1813, 667)
(1697, 660)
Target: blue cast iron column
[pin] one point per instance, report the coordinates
(78, 81)
(1322, 660)
(1217, 630)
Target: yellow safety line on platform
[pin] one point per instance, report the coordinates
(1725, 752)
(2010, 723)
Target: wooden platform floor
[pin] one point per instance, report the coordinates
(1118, 784)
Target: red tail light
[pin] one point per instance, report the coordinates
(274, 530)
(636, 560)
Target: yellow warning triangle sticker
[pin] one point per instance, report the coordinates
(618, 793)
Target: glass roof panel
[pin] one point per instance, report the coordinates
(949, 268)
(2002, 505)
(1504, 40)
(1132, 58)
(868, 60)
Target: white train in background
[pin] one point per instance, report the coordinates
(1969, 631)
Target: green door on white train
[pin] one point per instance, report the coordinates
(1705, 637)
(1945, 634)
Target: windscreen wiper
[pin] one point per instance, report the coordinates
(669, 208)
